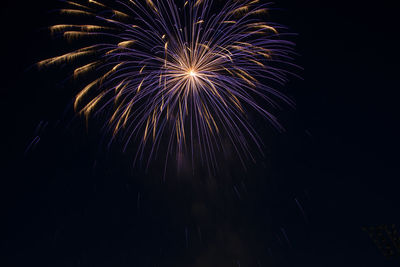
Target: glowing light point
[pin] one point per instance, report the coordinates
(192, 73)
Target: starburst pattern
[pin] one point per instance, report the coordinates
(176, 73)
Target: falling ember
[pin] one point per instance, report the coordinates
(179, 73)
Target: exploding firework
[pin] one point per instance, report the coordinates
(183, 74)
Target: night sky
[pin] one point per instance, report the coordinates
(67, 200)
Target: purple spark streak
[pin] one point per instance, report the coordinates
(301, 210)
(32, 145)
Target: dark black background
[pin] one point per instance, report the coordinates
(68, 202)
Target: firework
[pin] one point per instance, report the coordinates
(183, 74)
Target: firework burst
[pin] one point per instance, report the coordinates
(176, 73)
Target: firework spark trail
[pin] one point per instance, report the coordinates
(174, 73)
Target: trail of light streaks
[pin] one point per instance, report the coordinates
(176, 74)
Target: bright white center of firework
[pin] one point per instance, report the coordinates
(192, 73)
